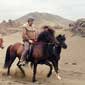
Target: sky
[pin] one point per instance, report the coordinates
(70, 9)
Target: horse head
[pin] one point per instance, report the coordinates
(60, 40)
(1, 43)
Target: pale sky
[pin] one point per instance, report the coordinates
(70, 9)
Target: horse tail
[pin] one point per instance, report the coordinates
(7, 57)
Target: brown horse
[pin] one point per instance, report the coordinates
(1, 43)
(15, 51)
(42, 53)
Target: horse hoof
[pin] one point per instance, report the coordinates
(58, 77)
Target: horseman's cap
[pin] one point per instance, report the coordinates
(30, 19)
(46, 27)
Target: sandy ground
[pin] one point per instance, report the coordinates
(72, 65)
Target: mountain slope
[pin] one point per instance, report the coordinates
(45, 18)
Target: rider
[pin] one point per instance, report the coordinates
(47, 35)
(29, 37)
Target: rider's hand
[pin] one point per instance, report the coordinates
(30, 41)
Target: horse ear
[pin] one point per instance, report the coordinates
(58, 36)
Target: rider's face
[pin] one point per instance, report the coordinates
(30, 23)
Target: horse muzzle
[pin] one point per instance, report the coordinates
(64, 46)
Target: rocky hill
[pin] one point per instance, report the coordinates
(78, 27)
(45, 18)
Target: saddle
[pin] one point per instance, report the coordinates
(31, 48)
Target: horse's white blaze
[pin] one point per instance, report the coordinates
(58, 77)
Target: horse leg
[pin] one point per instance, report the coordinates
(34, 72)
(50, 72)
(55, 64)
(11, 62)
(19, 66)
(31, 65)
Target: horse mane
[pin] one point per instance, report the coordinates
(60, 37)
(51, 31)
